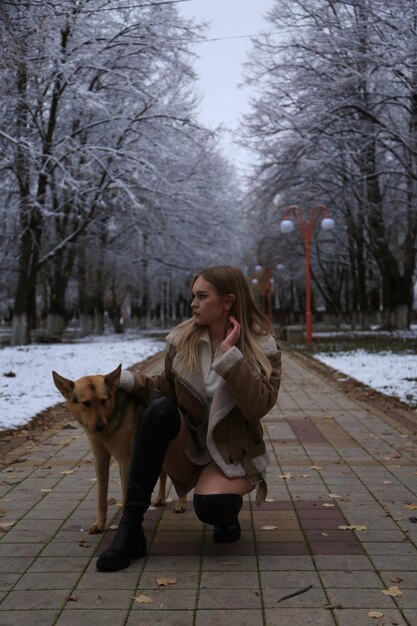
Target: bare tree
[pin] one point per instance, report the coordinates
(335, 123)
(98, 122)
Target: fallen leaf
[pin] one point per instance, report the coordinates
(5, 526)
(394, 622)
(46, 490)
(73, 599)
(316, 467)
(269, 500)
(114, 527)
(112, 501)
(325, 534)
(334, 496)
(353, 527)
(143, 599)
(392, 591)
(287, 476)
(375, 614)
(387, 482)
(397, 580)
(269, 527)
(305, 476)
(328, 506)
(411, 507)
(163, 582)
(67, 472)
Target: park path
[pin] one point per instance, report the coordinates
(336, 463)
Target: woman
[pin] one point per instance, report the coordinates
(202, 423)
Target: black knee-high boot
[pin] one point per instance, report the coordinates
(221, 511)
(160, 423)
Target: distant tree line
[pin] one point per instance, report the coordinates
(112, 192)
(334, 121)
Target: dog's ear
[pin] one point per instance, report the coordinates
(113, 379)
(64, 385)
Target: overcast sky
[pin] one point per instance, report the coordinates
(219, 65)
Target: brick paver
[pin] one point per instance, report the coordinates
(341, 519)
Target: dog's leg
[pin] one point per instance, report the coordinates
(160, 499)
(102, 466)
(181, 505)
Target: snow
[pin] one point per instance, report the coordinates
(391, 373)
(32, 389)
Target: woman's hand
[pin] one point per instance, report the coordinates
(232, 335)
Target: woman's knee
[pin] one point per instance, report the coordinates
(163, 413)
(216, 507)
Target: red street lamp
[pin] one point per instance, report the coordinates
(307, 232)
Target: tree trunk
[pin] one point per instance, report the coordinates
(24, 316)
(86, 324)
(55, 324)
(402, 317)
(57, 313)
(25, 297)
(85, 297)
(98, 322)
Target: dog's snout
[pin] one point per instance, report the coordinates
(99, 426)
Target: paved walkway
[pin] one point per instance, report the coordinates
(336, 463)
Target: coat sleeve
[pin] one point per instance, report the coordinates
(147, 388)
(254, 395)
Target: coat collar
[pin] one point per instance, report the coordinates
(194, 380)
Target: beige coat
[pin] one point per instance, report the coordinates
(227, 431)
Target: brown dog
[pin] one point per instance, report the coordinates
(110, 417)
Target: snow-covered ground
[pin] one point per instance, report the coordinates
(388, 372)
(26, 385)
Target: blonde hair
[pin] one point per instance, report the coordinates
(226, 280)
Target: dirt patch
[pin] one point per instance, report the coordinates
(13, 442)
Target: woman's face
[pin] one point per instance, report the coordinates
(209, 308)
